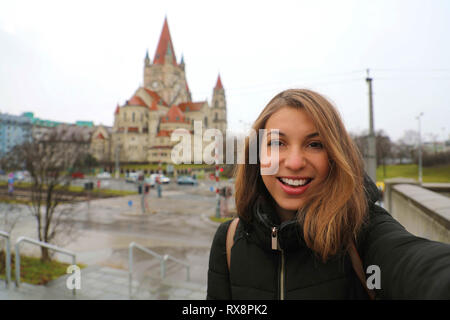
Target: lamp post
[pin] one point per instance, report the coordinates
(420, 148)
(216, 151)
(372, 151)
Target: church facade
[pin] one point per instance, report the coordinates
(143, 125)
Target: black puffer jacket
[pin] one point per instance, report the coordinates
(410, 267)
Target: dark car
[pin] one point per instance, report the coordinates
(187, 180)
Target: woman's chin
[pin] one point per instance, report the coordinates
(290, 205)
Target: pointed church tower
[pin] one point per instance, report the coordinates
(147, 59)
(219, 107)
(165, 76)
(165, 52)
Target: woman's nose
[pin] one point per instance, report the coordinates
(295, 159)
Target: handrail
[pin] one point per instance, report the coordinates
(186, 265)
(42, 244)
(162, 260)
(7, 257)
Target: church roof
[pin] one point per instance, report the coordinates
(155, 99)
(164, 133)
(191, 106)
(136, 101)
(218, 83)
(164, 45)
(174, 115)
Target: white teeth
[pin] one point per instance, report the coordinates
(295, 183)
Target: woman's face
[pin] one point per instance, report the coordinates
(302, 161)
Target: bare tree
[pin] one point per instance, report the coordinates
(406, 146)
(9, 216)
(383, 146)
(384, 149)
(49, 162)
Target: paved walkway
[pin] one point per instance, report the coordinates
(176, 224)
(104, 283)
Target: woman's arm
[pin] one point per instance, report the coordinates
(218, 275)
(410, 267)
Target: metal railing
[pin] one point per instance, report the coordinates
(41, 244)
(6, 235)
(161, 258)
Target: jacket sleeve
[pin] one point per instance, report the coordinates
(218, 275)
(410, 267)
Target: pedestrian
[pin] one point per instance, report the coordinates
(158, 186)
(311, 228)
(10, 184)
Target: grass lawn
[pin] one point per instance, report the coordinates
(34, 271)
(429, 174)
(220, 220)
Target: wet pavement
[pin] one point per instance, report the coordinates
(176, 224)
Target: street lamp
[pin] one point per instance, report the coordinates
(420, 149)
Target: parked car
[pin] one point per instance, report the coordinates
(19, 176)
(78, 175)
(187, 180)
(163, 178)
(132, 177)
(151, 182)
(104, 175)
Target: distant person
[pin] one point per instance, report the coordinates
(10, 184)
(158, 186)
(312, 229)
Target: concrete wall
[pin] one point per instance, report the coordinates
(422, 212)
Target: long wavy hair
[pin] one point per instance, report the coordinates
(335, 213)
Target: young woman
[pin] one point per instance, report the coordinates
(302, 229)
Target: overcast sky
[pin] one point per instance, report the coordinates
(75, 60)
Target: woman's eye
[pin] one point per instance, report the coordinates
(275, 143)
(316, 145)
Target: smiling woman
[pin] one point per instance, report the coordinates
(304, 161)
(314, 150)
(312, 228)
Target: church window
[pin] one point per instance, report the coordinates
(216, 104)
(215, 116)
(132, 117)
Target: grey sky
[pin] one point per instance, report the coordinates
(75, 60)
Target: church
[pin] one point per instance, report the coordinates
(143, 125)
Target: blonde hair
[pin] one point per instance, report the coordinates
(335, 213)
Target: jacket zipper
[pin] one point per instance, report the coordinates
(275, 246)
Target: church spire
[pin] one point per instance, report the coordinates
(147, 58)
(165, 47)
(218, 83)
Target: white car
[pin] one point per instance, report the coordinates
(132, 177)
(104, 175)
(163, 178)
